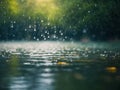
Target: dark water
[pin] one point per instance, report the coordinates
(59, 66)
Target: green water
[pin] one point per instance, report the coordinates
(59, 66)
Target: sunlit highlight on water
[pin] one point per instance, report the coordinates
(111, 69)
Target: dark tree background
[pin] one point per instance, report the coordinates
(97, 20)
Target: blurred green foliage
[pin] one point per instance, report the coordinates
(100, 19)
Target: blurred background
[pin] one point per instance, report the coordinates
(96, 20)
(59, 45)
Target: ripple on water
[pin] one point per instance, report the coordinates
(37, 65)
(45, 53)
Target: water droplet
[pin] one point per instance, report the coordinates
(88, 11)
(29, 17)
(65, 37)
(14, 22)
(12, 26)
(78, 5)
(22, 0)
(25, 29)
(23, 15)
(54, 36)
(42, 21)
(45, 31)
(45, 39)
(34, 29)
(95, 5)
(4, 21)
(37, 39)
(61, 34)
(84, 31)
(48, 23)
(79, 8)
(34, 37)
(48, 36)
(30, 26)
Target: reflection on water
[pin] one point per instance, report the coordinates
(59, 66)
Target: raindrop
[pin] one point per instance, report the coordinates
(22, 0)
(105, 51)
(25, 29)
(102, 55)
(46, 27)
(63, 40)
(55, 27)
(48, 24)
(78, 5)
(59, 31)
(13, 35)
(44, 38)
(48, 33)
(42, 21)
(34, 29)
(61, 34)
(65, 37)
(37, 39)
(4, 21)
(23, 15)
(29, 18)
(48, 37)
(84, 31)
(12, 26)
(45, 31)
(83, 20)
(30, 26)
(14, 22)
(79, 8)
(72, 11)
(54, 36)
(70, 26)
(42, 35)
(88, 11)
(95, 5)
(55, 31)
(34, 37)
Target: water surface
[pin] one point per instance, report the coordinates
(59, 66)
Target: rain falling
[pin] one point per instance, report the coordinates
(59, 44)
